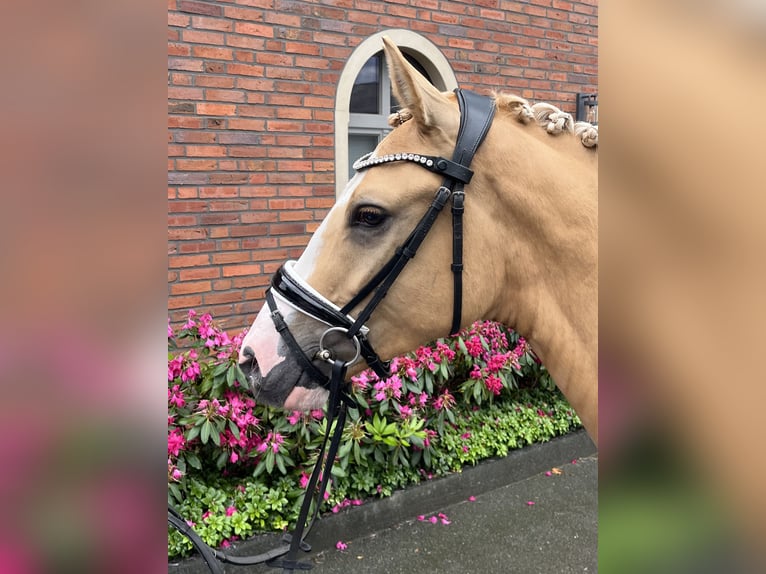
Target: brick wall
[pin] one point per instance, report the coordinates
(251, 92)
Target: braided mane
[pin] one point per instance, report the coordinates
(548, 116)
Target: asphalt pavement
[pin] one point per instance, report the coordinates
(535, 510)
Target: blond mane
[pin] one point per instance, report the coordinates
(548, 116)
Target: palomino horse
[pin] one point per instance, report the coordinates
(530, 248)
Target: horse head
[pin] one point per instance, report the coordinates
(319, 305)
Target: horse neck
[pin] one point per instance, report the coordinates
(543, 207)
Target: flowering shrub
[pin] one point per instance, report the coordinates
(236, 467)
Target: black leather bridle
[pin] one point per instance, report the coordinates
(476, 114)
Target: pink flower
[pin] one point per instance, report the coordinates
(434, 520)
(360, 382)
(548, 473)
(472, 499)
(494, 384)
(176, 396)
(176, 442)
(225, 544)
(190, 321)
(444, 402)
(304, 480)
(340, 545)
(294, 417)
(474, 346)
(317, 414)
(231, 510)
(421, 517)
(206, 515)
(530, 503)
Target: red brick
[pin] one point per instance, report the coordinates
(188, 302)
(231, 257)
(249, 14)
(205, 151)
(250, 125)
(209, 9)
(258, 217)
(200, 273)
(219, 218)
(224, 297)
(190, 287)
(245, 70)
(196, 164)
(198, 37)
(182, 234)
(188, 260)
(207, 109)
(238, 270)
(213, 52)
(222, 285)
(252, 29)
(207, 23)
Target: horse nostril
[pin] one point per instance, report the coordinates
(249, 363)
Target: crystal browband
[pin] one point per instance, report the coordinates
(431, 163)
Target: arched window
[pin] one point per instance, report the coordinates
(364, 99)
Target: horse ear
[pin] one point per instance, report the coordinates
(414, 92)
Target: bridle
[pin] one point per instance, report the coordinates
(476, 114)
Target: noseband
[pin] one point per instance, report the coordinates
(476, 113)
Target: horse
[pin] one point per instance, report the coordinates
(527, 254)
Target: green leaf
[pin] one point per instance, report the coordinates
(205, 433)
(175, 491)
(234, 429)
(193, 433)
(338, 471)
(193, 460)
(231, 375)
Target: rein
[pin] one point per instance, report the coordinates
(476, 113)
(337, 408)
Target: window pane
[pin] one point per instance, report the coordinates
(358, 145)
(365, 94)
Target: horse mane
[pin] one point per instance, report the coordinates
(548, 116)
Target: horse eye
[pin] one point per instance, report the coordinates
(369, 216)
